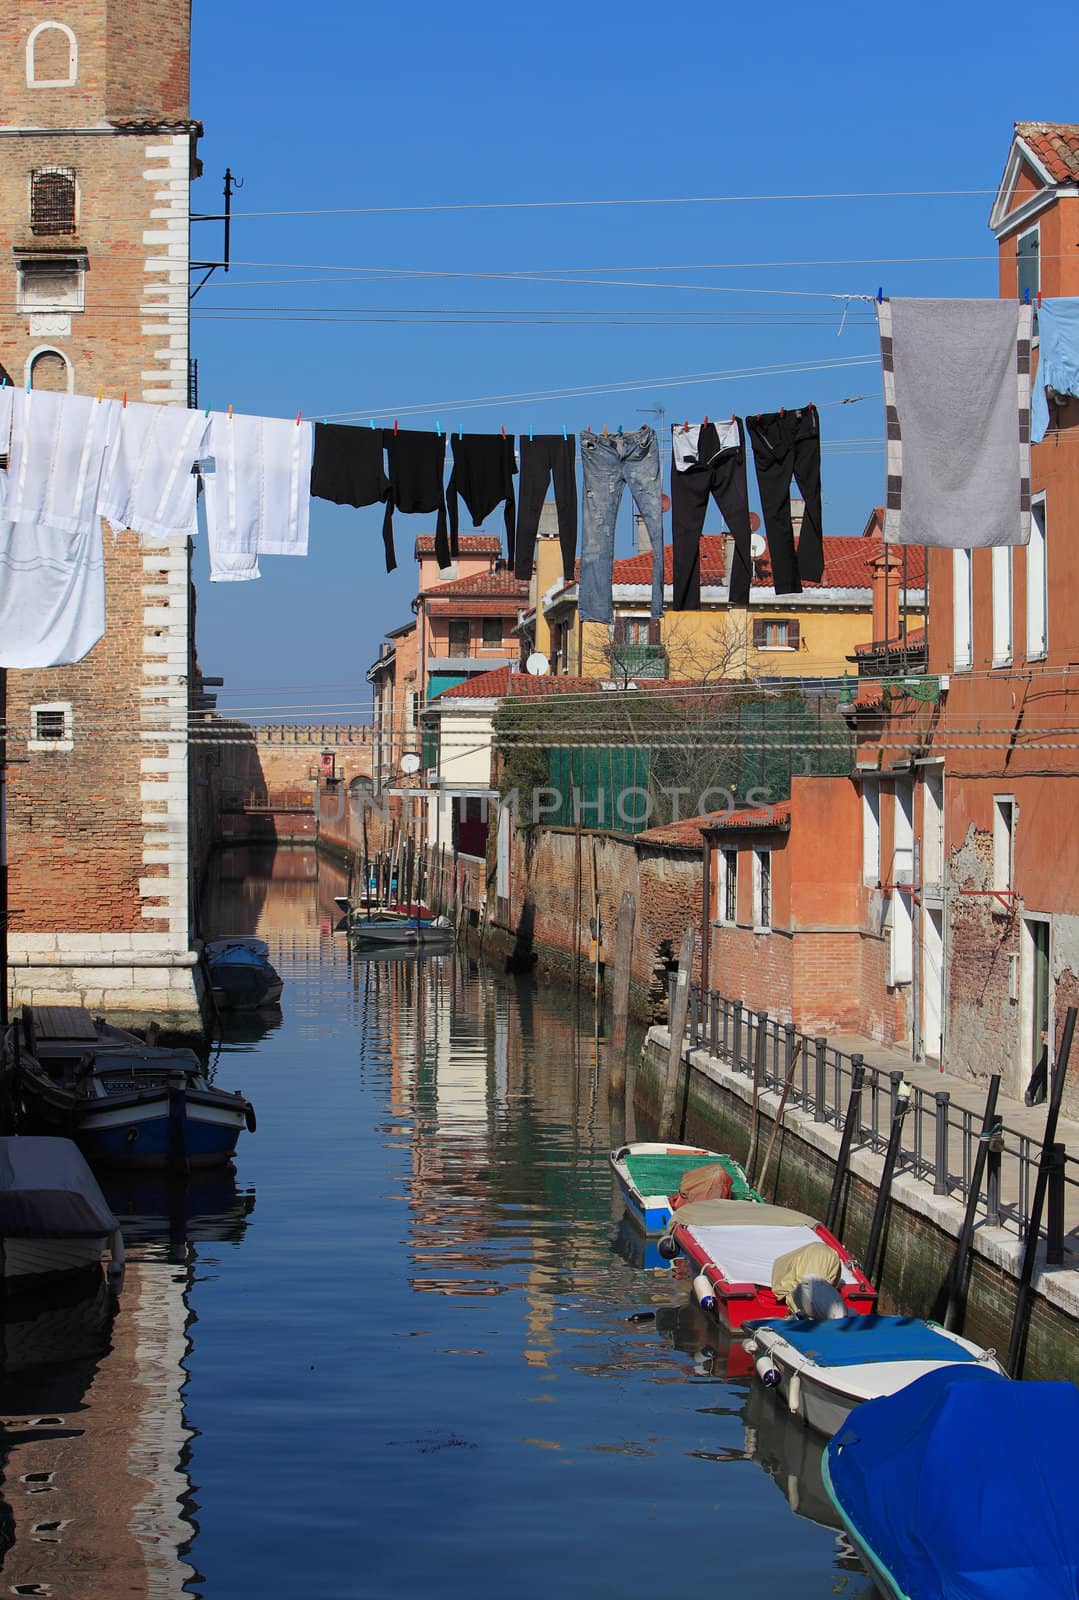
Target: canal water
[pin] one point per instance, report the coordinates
(406, 1350)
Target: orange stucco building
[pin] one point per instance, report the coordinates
(949, 901)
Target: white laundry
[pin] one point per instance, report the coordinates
(58, 448)
(52, 594)
(148, 484)
(257, 491)
(685, 442)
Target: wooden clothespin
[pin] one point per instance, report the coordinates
(706, 419)
(299, 414)
(395, 430)
(605, 435)
(125, 399)
(685, 426)
(100, 392)
(503, 430)
(230, 410)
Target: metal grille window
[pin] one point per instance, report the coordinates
(730, 885)
(52, 200)
(459, 637)
(49, 725)
(492, 631)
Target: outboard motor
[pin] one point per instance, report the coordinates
(817, 1299)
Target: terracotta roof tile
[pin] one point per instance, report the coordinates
(523, 685)
(482, 584)
(1056, 145)
(685, 835)
(847, 564)
(760, 819)
(468, 544)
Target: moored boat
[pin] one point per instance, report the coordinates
(962, 1486)
(824, 1369)
(54, 1220)
(124, 1102)
(241, 975)
(745, 1257)
(404, 933)
(656, 1178)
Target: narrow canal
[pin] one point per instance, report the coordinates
(397, 1355)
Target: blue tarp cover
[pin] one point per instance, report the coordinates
(965, 1486)
(847, 1341)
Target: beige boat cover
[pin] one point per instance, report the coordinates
(808, 1261)
(712, 1182)
(738, 1213)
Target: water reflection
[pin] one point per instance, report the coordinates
(97, 1498)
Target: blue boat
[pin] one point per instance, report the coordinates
(963, 1486)
(241, 977)
(124, 1102)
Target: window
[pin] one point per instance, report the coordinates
(729, 859)
(1037, 583)
(492, 631)
(51, 727)
(52, 57)
(776, 633)
(1028, 265)
(636, 630)
(49, 370)
(962, 610)
(48, 282)
(932, 828)
(460, 633)
(415, 699)
(762, 888)
(52, 200)
(1003, 841)
(1002, 606)
(870, 830)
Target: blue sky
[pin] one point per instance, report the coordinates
(342, 106)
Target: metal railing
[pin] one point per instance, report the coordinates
(939, 1139)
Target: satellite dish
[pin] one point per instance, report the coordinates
(410, 763)
(537, 664)
(757, 545)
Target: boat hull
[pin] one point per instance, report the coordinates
(652, 1212)
(885, 1582)
(735, 1304)
(27, 1262)
(135, 1132)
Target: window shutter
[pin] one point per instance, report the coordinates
(653, 630)
(1027, 263)
(794, 633)
(760, 633)
(619, 630)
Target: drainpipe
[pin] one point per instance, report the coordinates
(706, 919)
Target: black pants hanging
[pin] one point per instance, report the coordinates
(417, 467)
(547, 457)
(483, 468)
(347, 466)
(786, 444)
(720, 473)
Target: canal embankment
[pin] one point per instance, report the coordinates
(929, 1189)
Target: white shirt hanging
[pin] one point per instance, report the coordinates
(52, 594)
(148, 484)
(257, 492)
(58, 448)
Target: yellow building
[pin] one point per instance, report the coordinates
(870, 593)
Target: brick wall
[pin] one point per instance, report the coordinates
(99, 837)
(552, 894)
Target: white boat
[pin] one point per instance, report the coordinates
(438, 933)
(53, 1217)
(825, 1369)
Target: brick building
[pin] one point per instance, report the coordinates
(99, 151)
(950, 900)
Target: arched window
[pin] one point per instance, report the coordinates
(52, 57)
(52, 200)
(48, 369)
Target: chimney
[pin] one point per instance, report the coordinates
(644, 543)
(886, 569)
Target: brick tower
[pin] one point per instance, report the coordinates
(98, 154)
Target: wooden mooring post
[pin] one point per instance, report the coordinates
(679, 1014)
(953, 1315)
(851, 1124)
(623, 973)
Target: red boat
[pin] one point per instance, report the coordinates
(732, 1250)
